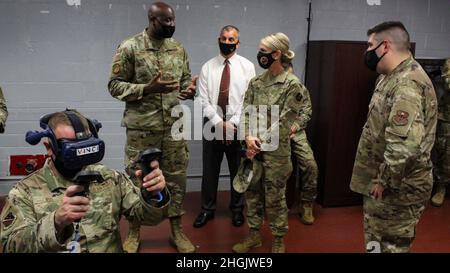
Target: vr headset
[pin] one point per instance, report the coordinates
(84, 150)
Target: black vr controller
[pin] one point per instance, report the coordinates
(144, 161)
(85, 178)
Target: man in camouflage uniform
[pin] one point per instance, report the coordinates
(304, 155)
(147, 73)
(41, 210)
(3, 112)
(393, 169)
(442, 146)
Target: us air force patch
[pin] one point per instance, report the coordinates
(401, 118)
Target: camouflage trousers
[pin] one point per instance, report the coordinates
(302, 151)
(269, 195)
(442, 149)
(391, 227)
(174, 161)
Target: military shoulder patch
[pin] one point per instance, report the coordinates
(401, 118)
(8, 220)
(7, 217)
(116, 68)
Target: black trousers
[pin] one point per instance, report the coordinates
(213, 152)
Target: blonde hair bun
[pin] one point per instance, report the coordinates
(279, 41)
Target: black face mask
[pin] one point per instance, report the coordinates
(227, 49)
(67, 173)
(164, 31)
(371, 59)
(265, 60)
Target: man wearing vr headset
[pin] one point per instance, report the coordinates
(3, 112)
(45, 212)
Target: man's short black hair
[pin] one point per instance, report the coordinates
(396, 31)
(386, 26)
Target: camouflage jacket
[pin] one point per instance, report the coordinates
(136, 63)
(305, 109)
(3, 111)
(27, 221)
(396, 142)
(444, 102)
(284, 91)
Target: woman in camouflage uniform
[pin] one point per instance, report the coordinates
(275, 87)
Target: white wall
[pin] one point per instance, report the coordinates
(55, 55)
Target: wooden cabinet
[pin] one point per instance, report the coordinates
(341, 87)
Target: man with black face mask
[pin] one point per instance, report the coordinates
(45, 211)
(147, 73)
(222, 84)
(393, 169)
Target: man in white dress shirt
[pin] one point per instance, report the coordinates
(222, 84)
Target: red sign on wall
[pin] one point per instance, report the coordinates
(25, 164)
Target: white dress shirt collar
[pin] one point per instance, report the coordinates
(231, 59)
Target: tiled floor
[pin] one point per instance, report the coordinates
(335, 230)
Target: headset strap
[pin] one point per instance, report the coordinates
(80, 131)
